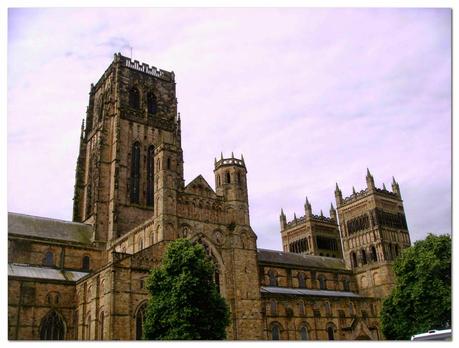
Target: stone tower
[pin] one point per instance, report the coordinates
(373, 231)
(231, 184)
(311, 234)
(130, 162)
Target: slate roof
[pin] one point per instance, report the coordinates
(27, 271)
(40, 227)
(293, 259)
(306, 292)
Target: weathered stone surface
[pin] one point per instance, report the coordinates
(130, 202)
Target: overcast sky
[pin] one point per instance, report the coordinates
(311, 97)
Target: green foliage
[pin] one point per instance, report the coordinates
(421, 298)
(185, 303)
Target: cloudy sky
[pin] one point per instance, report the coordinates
(311, 97)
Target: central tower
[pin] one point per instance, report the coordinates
(130, 162)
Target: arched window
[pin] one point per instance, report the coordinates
(150, 175)
(328, 311)
(353, 259)
(374, 256)
(396, 250)
(52, 327)
(301, 280)
(304, 335)
(48, 260)
(218, 180)
(168, 163)
(322, 283)
(135, 173)
(140, 244)
(228, 177)
(139, 321)
(134, 98)
(151, 104)
(85, 263)
(363, 255)
(101, 325)
(238, 177)
(272, 278)
(330, 333)
(275, 332)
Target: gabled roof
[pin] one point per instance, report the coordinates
(305, 261)
(40, 227)
(199, 186)
(27, 271)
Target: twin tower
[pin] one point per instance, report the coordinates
(368, 230)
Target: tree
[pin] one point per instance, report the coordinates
(185, 303)
(421, 298)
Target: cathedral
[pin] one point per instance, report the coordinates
(85, 279)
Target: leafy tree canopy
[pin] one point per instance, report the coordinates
(421, 298)
(185, 303)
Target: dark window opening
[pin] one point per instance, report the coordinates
(150, 175)
(275, 333)
(304, 333)
(52, 327)
(49, 259)
(85, 263)
(228, 178)
(134, 98)
(151, 104)
(363, 256)
(330, 333)
(374, 256)
(139, 322)
(135, 173)
(272, 278)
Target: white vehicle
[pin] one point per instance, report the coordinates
(434, 335)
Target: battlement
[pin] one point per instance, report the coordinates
(357, 195)
(302, 219)
(229, 162)
(145, 68)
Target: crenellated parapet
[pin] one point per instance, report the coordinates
(168, 76)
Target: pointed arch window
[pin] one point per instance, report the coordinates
(330, 333)
(52, 327)
(275, 332)
(134, 98)
(353, 259)
(151, 104)
(150, 175)
(227, 178)
(135, 173)
(88, 327)
(139, 321)
(304, 333)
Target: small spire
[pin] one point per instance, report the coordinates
(221, 155)
(393, 180)
(353, 190)
(368, 172)
(242, 158)
(282, 211)
(337, 187)
(215, 160)
(332, 207)
(294, 216)
(321, 213)
(307, 202)
(232, 154)
(384, 187)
